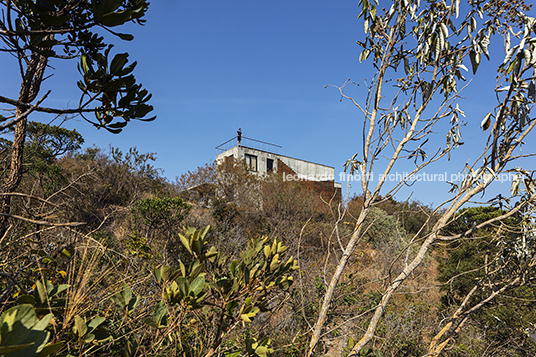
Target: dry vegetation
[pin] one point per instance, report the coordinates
(116, 271)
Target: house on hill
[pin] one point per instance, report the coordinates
(264, 158)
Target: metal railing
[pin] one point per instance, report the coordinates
(249, 143)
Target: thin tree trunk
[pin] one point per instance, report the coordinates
(335, 279)
(29, 89)
(425, 247)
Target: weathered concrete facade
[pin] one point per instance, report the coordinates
(317, 177)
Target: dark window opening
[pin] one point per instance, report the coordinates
(269, 165)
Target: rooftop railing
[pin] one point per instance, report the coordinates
(249, 143)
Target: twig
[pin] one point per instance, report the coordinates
(44, 223)
(300, 275)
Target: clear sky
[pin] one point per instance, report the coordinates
(214, 66)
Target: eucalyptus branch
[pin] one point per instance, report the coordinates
(488, 222)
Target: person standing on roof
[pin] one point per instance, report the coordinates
(239, 136)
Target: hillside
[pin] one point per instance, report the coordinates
(97, 246)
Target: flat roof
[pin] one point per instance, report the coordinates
(268, 152)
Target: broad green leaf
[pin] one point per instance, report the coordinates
(118, 125)
(124, 36)
(12, 348)
(275, 263)
(111, 5)
(186, 243)
(118, 63)
(43, 323)
(115, 18)
(182, 268)
(233, 266)
(197, 285)
(49, 349)
(89, 337)
(128, 69)
(84, 61)
(93, 324)
(41, 292)
(80, 327)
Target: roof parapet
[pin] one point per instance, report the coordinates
(250, 143)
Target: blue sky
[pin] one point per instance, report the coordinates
(214, 66)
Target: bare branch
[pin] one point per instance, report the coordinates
(25, 114)
(44, 223)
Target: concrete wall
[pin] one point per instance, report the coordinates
(328, 189)
(301, 169)
(309, 171)
(239, 153)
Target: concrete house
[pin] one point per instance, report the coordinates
(263, 158)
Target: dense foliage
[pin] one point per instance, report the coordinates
(101, 255)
